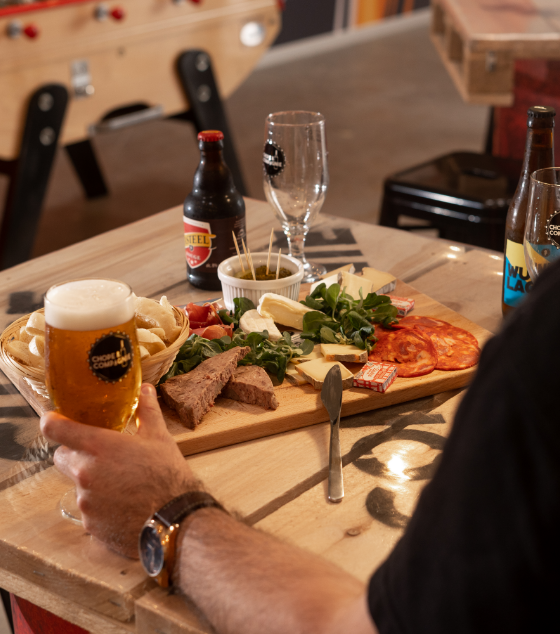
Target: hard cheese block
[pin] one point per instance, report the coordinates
(345, 353)
(381, 282)
(316, 371)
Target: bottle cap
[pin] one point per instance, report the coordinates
(210, 136)
(540, 117)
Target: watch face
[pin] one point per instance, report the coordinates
(151, 551)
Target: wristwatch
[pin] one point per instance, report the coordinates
(157, 541)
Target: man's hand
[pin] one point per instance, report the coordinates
(121, 480)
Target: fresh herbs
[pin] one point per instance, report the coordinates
(273, 356)
(338, 318)
(241, 306)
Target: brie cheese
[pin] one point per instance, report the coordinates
(282, 310)
(251, 321)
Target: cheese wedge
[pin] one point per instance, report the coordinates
(349, 268)
(381, 282)
(345, 353)
(332, 277)
(251, 321)
(314, 354)
(293, 376)
(352, 284)
(282, 310)
(315, 372)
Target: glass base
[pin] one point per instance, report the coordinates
(312, 272)
(69, 507)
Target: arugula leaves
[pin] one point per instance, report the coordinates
(273, 356)
(339, 318)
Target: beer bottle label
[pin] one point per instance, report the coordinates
(110, 357)
(517, 282)
(209, 243)
(274, 159)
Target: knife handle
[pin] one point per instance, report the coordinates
(335, 486)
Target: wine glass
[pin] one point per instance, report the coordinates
(296, 177)
(541, 243)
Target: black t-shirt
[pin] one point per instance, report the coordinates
(481, 552)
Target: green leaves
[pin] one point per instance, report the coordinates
(339, 318)
(241, 306)
(273, 356)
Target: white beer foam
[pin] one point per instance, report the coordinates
(89, 305)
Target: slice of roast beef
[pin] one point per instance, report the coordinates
(251, 384)
(191, 395)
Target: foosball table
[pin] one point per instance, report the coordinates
(70, 69)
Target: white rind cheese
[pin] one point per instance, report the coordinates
(352, 284)
(381, 282)
(345, 353)
(314, 354)
(251, 321)
(282, 310)
(315, 372)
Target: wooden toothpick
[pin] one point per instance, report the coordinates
(278, 264)
(269, 250)
(238, 254)
(249, 259)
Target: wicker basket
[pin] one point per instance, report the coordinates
(153, 368)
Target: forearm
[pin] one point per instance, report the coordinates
(247, 582)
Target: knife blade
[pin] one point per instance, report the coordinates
(331, 395)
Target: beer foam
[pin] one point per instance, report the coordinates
(88, 305)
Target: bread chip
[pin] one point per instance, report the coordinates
(160, 332)
(36, 324)
(151, 314)
(144, 354)
(37, 352)
(24, 335)
(148, 340)
(18, 350)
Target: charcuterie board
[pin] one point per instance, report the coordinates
(230, 422)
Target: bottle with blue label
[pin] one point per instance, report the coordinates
(539, 153)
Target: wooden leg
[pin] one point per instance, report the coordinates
(389, 213)
(85, 163)
(7, 607)
(207, 111)
(30, 177)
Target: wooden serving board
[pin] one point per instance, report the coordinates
(230, 422)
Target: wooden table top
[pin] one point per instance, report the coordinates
(479, 41)
(277, 483)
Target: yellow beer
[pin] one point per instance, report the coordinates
(92, 362)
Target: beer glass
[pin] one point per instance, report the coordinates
(92, 363)
(542, 229)
(296, 177)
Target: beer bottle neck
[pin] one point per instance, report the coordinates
(539, 150)
(213, 175)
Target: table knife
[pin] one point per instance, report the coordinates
(331, 395)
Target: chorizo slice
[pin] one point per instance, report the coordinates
(421, 322)
(412, 351)
(454, 351)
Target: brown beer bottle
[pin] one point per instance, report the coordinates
(212, 211)
(539, 153)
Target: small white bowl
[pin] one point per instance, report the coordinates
(234, 287)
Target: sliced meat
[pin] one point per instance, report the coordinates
(419, 321)
(191, 395)
(214, 332)
(413, 352)
(455, 352)
(251, 384)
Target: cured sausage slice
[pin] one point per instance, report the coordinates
(413, 351)
(454, 352)
(421, 322)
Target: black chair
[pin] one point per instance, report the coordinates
(464, 195)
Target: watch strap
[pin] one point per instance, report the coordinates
(182, 506)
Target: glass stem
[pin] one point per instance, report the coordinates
(296, 243)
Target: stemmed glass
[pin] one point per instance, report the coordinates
(542, 229)
(296, 177)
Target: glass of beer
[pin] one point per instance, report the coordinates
(92, 363)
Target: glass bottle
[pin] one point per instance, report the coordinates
(539, 153)
(212, 211)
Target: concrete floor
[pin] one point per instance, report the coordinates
(388, 101)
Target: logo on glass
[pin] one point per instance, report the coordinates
(274, 159)
(553, 229)
(110, 357)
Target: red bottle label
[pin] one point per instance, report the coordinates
(198, 242)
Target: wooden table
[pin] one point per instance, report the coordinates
(479, 41)
(277, 483)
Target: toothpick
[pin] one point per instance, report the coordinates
(238, 254)
(252, 265)
(278, 264)
(245, 252)
(269, 249)
(249, 259)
